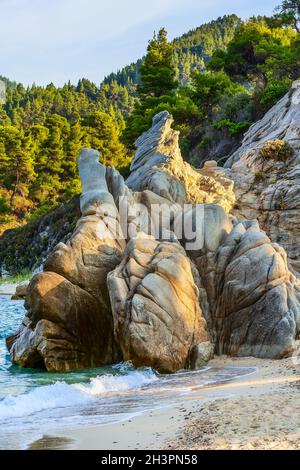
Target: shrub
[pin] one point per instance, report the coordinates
(4, 207)
(39, 212)
(259, 176)
(233, 128)
(273, 92)
(278, 150)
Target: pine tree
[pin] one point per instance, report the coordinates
(158, 86)
(102, 134)
(158, 71)
(289, 13)
(50, 160)
(17, 163)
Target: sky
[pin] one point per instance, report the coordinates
(63, 40)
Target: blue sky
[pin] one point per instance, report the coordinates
(63, 40)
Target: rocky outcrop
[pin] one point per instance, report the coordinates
(114, 291)
(21, 291)
(257, 309)
(155, 302)
(254, 300)
(158, 166)
(266, 174)
(68, 324)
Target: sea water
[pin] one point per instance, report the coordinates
(36, 402)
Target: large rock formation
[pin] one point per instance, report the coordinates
(114, 291)
(155, 301)
(254, 300)
(68, 324)
(159, 167)
(266, 173)
(258, 299)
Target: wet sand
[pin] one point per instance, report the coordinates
(258, 411)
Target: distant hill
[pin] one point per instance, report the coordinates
(8, 82)
(192, 50)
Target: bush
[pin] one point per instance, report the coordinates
(272, 93)
(233, 128)
(236, 108)
(278, 150)
(39, 212)
(4, 207)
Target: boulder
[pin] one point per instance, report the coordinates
(155, 301)
(254, 299)
(64, 327)
(115, 292)
(21, 291)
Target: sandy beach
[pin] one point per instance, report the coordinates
(258, 411)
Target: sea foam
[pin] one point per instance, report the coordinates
(134, 380)
(61, 394)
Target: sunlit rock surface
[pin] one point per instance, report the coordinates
(115, 291)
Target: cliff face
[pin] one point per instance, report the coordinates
(266, 174)
(169, 298)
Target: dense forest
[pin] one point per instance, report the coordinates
(215, 80)
(191, 51)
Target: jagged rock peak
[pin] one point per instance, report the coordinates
(158, 166)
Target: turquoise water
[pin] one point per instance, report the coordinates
(35, 402)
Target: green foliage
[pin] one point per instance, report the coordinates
(278, 150)
(101, 133)
(233, 128)
(42, 129)
(191, 51)
(210, 36)
(4, 207)
(250, 53)
(39, 212)
(157, 70)
(272, 93)
(209, 88)
(289, 13)
(156, 91)
(23, 275)
(237, 107)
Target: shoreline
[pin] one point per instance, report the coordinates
(219, 416)
(8, 288)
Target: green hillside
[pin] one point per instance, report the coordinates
(216, 80)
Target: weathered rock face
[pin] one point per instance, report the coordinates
(69, 323)
(106, 296)
(257, 308)
(266, 173)
(258, 299)
(21, 291)
(65, 327)
(155, 301)
(159, 167)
